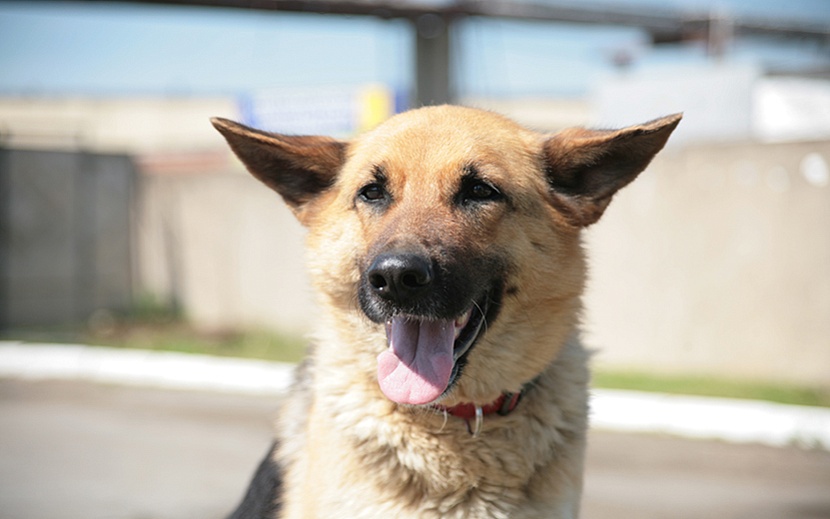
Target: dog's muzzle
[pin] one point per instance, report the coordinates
(433, 315)
(402, 278)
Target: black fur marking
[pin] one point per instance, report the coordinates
(263, 497)
(456, 285)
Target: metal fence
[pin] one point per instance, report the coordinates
(65, 236)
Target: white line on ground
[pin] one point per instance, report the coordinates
(741, 421)
(142, 368)
(738, 421)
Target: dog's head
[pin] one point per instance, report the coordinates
(453, 235)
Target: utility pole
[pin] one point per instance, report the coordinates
(719, 35)
(432, 60)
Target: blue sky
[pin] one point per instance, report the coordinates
(93, 48)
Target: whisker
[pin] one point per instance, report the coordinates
(483, 315)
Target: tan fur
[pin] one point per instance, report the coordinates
(348, 451)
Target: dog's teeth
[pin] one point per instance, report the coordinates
(461, 322)
(389, 334)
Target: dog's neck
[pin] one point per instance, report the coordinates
(467, 411)
(503, 405)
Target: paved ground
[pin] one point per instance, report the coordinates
(79, 450)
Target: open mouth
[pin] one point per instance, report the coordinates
(425, 357)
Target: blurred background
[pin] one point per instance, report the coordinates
(126, 222)
(122, 212)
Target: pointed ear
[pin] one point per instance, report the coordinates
(584, 168)
(297, 167)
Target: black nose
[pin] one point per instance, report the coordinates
(400, 277)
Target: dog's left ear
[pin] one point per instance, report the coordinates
(584, 168)
(298, 167)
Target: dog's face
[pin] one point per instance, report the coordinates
(449, 237)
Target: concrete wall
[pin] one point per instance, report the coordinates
(717, 260)
(112, 125)
(224, 248)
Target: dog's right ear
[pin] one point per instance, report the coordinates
(584, 168)
(298, 167)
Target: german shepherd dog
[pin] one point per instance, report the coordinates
(447, 378)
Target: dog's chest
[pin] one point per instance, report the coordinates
(470, 504)
(425, 475)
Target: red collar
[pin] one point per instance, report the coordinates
(503, 405)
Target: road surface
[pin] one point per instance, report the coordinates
(88, 451)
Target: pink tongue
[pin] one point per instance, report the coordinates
(416, 368)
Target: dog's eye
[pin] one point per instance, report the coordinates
(372, 193)
(481, 191)
(478, 191)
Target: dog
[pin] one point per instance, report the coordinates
(446, 378)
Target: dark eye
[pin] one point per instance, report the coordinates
(481, 191)
(476, 190)
(372, 193)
